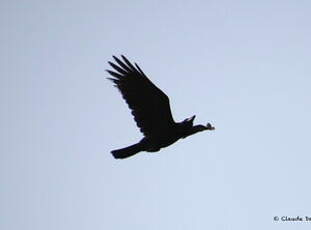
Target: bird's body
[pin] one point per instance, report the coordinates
(151, 110)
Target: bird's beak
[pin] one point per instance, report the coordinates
(209, 127)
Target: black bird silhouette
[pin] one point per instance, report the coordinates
(151, 110)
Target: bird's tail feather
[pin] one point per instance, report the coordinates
(127, 152)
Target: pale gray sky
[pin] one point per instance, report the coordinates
(242, 65)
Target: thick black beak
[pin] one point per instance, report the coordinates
(209, 127)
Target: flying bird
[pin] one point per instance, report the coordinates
(150, 107)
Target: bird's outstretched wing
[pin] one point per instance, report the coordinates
(150, 106)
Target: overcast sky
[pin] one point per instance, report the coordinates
(242, 65)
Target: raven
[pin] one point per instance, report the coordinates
(151, 110)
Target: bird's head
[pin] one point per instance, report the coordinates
(190, 129)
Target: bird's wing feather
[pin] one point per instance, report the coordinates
(150, 106)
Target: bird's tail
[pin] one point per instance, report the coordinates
(127, 152)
